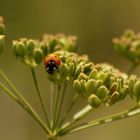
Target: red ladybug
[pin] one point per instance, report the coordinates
(52, 62)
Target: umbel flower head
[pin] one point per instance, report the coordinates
(32, 52)
(70, 68)
(129, 46)
(104, 84)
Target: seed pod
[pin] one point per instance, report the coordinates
(82, 76)
(114, 98)
(91, 86)
(131, 82)
(44, 48)
(1, 43)
(101, 75)
(84, 93)
(94, 101)
(102, 92)
(20, 49)
(77, 86)
(93, 74)
(38, 55)
(136, 90)
(63, 71)
(30, 46)
(78, 70)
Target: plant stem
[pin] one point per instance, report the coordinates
(132, 68)
(75, 97)
(39, 95)
(27, 107)
(76, 117)
(123, 115)
(60, 103)
(56, 108)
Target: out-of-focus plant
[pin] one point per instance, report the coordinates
(96, 83)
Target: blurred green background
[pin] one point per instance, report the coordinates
(95, 22)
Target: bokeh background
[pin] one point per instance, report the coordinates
(95, 22)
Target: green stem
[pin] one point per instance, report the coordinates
(27, 107)
(39, 95)
(60, 103)
(56, 108)
(123, 115)
(75, 97)
(78, 116)
(132, 68)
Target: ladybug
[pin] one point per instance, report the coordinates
(52, 62)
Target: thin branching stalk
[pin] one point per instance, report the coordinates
(60, 103)
(75, 97)
(76, 117)
(27, 107)
(56, 108)
(39, 95)
(123, 115)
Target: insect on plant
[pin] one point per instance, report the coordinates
(97, 84)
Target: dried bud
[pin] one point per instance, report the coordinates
(94, 101)
(114, 98)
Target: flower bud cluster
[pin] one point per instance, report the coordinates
(2, 30)
(60, 42)
(129, 46)
(29, 51)
(71, 66)
(104, 84)
(32, 52)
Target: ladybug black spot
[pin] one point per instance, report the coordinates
(51, 67)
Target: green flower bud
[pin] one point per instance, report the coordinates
(102, 76)
(123, 92)
(91, 86)
(44, 48)
(94, 101)
(52, 44)
(93, 74)
(72, 68)
(83, 83)
(131, 82)
(20, 50)
(102, 92)
(82, 76)
(63, 71)
(30, 46)
(78, 70)
(38, 55)
(136, 90)
(114, 98)
(1, 43)
(77, 86)
(54, 77)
